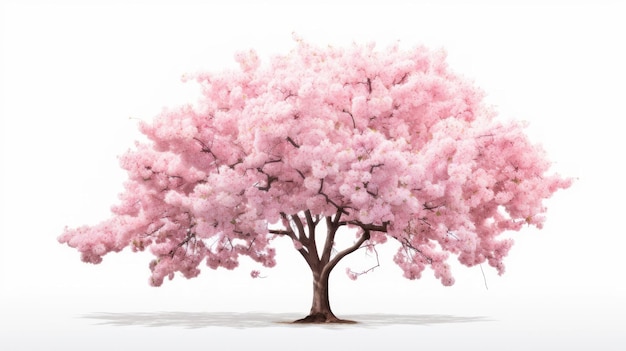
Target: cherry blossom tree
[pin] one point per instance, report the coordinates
(324, 141)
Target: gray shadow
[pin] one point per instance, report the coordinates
(193, 320)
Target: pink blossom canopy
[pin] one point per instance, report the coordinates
(390, 140)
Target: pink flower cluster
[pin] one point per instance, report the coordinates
(389, 138)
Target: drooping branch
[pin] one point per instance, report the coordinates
(373, 248)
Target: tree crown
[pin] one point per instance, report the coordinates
(391, 142)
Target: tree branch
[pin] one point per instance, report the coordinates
(328, 200)
(300, 173)
(270, 178)
(371, 268)
(301, 233)
(402, 80)
(190, 235)
(338, 217)
(332, 263)
(331, 230)
(311, 224)
(293, 143)
(205, 148)
(351, 116)
(431, 207)
(290, 233)
(408, 245)
(369, 227)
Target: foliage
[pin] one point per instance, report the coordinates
(390, 143)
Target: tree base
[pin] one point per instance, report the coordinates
(322, 318)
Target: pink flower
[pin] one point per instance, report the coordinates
(351, 274)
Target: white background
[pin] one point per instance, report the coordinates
(75, 78)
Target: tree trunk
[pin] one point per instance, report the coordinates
(320, 306)
(321, 265)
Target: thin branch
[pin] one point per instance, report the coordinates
(252, 242)
(369, 227)
(272, 161)
(328, 200)
(301, 232)
(402, 80)
(337, 217)
(239, 161)
(332, 263)
(156, 230)
(371, 193)
(371, 268)
(300, 173)
(317, 218)
(372, 167)
(407, 244)
(432, 207)
(293, 143)
(351, 116)
(332, 224)
(205, 148)
(452, 235)
(270, 178)
(190, 235)
(424, 220)
(280, 232)
(290, 233)
(232, 247)
(484, 278)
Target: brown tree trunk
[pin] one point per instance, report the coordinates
(321, 265)
(320, 306)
